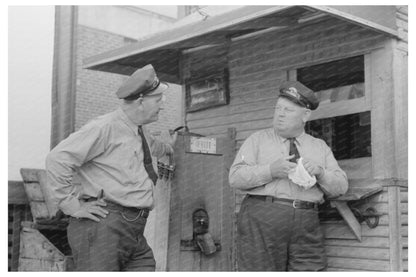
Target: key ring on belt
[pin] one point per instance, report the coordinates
(139, 214)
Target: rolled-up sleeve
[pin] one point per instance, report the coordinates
(65, 158)
(334, 180)
(245, 172)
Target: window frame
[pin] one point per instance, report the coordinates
(339, 108)
(356, 168)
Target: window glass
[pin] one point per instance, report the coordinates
(348, 136)
(335, 81)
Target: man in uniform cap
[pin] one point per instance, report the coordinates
(278, 225)
(112, 156)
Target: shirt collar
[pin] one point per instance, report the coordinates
(127, 120)
(299, 138)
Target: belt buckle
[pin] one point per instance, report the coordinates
(294, 204)
(141, 212)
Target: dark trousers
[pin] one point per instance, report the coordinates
(272, 236)
(116, 243)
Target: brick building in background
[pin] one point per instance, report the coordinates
(103, 28)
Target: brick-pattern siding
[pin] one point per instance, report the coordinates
(95, 94)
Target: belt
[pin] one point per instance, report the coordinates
(297, 204)
(141, 212)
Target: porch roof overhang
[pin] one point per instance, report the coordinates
(163, 49)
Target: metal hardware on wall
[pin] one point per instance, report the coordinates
(202, 239)
(369, 215)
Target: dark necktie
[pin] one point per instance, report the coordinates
(147, 158)
(293, 150)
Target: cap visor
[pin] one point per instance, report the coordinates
(161, 88)
(292, 99)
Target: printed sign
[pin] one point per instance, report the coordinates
(203, 145)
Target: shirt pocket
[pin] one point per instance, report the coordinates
(131, 162)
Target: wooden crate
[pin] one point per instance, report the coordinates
(41, 202)
(43, 241)
(38, 253)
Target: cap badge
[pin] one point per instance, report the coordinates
(154, 84)
(293, 91)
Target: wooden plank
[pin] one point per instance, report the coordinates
(39, 210)
(331, 269)
(50, 201)
(404, 219)
(374, 17)
(360, 264)
(405, 242)
(360, 189)
(381, 208)
(340, 108)
(29, 174)
(349, 217)
(16, 193)
(34, 192)
(327, 33)
(370, 242)
(26, 264)
(17, 218)
(358, 252)
(395, 229)
(404, 197)
(175, 218)
(405, 254)
(33, 245)
(342, 231)
(383, 220)
(227, 206)
(405, 266)
(400, 95)
(382, 113)
(256, 115)
(257, 105)
(404, 231)
(404, 208)
(360, 168)
(162, 194)
(252, 125)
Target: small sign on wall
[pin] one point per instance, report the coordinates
(207, 92)
(203, 145)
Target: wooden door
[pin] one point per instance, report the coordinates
(201, 181)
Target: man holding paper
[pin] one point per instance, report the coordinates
(285, 173)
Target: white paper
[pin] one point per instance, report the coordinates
(301, 177)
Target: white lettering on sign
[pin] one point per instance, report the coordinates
(203, 145)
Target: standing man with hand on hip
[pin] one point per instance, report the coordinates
(112, 156)
(278, 226)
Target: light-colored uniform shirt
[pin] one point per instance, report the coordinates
(251, 173)
(106, 154)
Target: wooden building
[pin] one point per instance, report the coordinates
(230, 66)
(355, 57)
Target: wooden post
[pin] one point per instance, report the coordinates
(382, 120)
(395, 226)
(64, 73)
(349, 217)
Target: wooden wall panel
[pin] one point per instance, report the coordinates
(256, 68)
(404, 227)
(258, 65)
